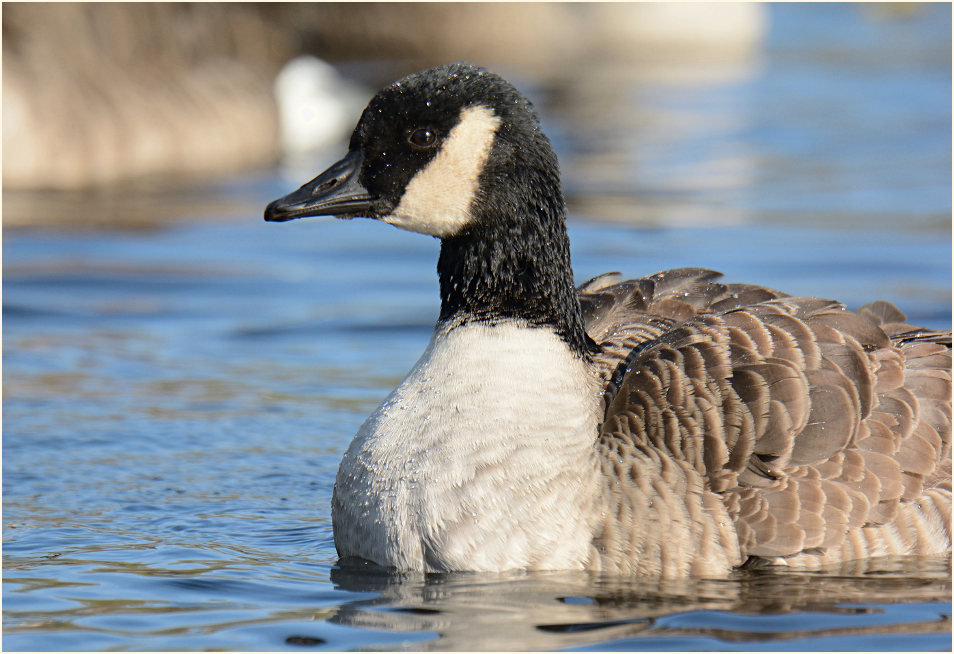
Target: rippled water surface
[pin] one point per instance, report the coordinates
(176, 397)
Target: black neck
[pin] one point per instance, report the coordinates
(514, 263)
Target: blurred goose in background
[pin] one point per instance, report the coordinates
(316, 106)
(669, 425)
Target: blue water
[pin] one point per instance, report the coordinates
(176, 398)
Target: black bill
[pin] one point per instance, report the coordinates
(335, 192)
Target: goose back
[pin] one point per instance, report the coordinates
(744, 425)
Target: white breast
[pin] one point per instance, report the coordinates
(481, 459)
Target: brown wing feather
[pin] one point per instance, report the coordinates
(797, 429)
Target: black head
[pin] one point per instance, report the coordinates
(457, 152)
(426, 151)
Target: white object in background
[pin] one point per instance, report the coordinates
(316, 106)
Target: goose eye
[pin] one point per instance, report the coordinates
(422, 137)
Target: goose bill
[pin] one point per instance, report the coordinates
(335, 192)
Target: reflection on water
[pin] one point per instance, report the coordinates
(177, 396)
(218, 596)
(570, 610)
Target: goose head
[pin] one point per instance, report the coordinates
(423, 150)
(456, 152)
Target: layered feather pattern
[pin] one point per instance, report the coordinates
(742, 424)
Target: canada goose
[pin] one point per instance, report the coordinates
(668, 425)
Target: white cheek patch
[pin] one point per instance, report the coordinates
(438, 198)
